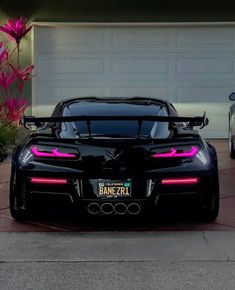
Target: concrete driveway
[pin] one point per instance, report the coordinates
(117, 260)
(171, 255)
(225, 221)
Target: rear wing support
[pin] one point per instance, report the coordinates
(28, 121)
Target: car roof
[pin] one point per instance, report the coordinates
(135, 99)
(115, 106)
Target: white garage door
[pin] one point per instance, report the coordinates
(191, 66)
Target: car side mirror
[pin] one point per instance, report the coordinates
(232, 96)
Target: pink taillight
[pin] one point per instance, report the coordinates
(173, 153)
(54, 153)
(179, 181)
(60, 154)
(168, 154)
(48, 180)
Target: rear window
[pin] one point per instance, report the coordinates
(114, 129)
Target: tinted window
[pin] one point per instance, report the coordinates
(127, 129)
(114, 128)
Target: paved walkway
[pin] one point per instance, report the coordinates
(225, 221)
(118, 260)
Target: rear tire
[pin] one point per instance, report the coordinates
(16, 213)
(210, 211)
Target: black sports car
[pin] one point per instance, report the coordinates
(114, 157)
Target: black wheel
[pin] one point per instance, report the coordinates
(210, 210)
(230, 144)
(16, 213)
(210, 213)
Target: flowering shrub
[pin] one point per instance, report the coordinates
(13, 109)
(3, 53)
(16, 29)
(23, 75)
(12, 76)
(12, 80)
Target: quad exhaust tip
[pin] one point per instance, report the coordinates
(134, 208)
(118, 208)
(106, 208)
(93, 208)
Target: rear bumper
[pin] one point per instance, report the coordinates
(147, 192)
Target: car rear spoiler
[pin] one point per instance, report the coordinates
(28, 121)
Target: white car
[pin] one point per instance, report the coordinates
(231, 127)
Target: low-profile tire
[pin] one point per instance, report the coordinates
(231, 146)
(210, 210)
(16, 213)
(210, 213)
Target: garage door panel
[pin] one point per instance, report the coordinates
(153, 92)
(202, 65)
(140, 37)
(200, 94)
(191, 66)
(62, 39)
(214, 38)
(76, 66)
(58, 94)
(73, 92)
(140, 66)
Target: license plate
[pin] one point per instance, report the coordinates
(114, 188)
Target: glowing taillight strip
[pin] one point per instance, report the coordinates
(169, 154)
(173, 153)
(40, 180)
(55, 153)
(180, 181)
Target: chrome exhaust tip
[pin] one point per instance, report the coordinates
(134, 208)
(120, 208)
(93, 208)
(106, 208)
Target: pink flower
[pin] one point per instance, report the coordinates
(13, 109)
(3, 53)
(16, 29)
(2, 112)
(6, 79)
(23, 75)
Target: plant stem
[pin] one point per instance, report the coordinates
(18, 54)
(18, 58)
